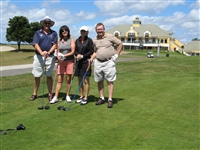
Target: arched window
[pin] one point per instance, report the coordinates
(116, 33)
(146, 34)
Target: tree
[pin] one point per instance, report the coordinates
(34, 26)
(20, 30)
(195, 39)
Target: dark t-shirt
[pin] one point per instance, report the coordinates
(45, 41)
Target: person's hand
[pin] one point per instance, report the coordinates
(79, 57)
(114, 57)
(45, 54)
(55, 52)
(90, 61)
(61, 56)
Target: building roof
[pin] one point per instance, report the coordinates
(193, 46)
(153, 29)
(121, 28)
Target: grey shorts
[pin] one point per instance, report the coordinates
(38, 65)
(104, 70)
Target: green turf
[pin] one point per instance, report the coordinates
(156, 106)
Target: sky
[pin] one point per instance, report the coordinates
(182, 17)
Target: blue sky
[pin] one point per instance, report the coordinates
(179, 16)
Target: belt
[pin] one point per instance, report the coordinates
(103, 60)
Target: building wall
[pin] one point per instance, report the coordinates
(147, 38)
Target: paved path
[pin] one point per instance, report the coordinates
(6, 48)
(15, 70)
(27, 68)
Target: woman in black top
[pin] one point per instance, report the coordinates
(83, 50)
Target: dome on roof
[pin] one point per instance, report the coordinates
(136, 21)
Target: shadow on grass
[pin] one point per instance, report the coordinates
(23, 50)
(91, 98)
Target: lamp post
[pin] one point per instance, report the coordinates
(158, 49)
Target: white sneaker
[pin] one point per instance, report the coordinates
(68, 99)
(54, 100)
(79, 100)
(83, 102)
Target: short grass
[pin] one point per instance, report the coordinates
(24, 56)
(156, 106)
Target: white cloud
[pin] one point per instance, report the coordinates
(86, 15)
(195, 5)
(189, 25)
(35, 15)
(119, 7)
(109, 23)
(184, 24)
(194, 15)
(111, 7)
(47, 3)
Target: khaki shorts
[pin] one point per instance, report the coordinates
(38, 65)
(104, 70)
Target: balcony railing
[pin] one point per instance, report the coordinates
(143, 42)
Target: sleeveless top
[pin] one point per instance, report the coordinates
(65, 47)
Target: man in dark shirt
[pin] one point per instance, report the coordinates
(45, 42)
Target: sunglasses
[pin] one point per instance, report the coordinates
(47, 23)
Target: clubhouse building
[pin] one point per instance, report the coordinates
(146, 36)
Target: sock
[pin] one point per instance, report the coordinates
(102, 98)
(109, 99)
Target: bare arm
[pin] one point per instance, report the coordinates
(119, 49)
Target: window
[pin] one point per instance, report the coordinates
(165, 40)
(154, 40)
(116, 34)
(146, 35)
(146, 40)
(133, 40)
(131, 34)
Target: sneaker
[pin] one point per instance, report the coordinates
(68, 99)
(100, 101)
(33, 97)
(110, 104)
(54, 100)
(83, 102)
(79, 100)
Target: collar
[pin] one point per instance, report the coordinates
(81, 39)
(104, 36)
(42, 30)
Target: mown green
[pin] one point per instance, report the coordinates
(156, 106)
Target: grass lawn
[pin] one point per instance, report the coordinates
(24, 56)
(156, 106)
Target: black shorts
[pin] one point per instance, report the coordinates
(80, 69)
